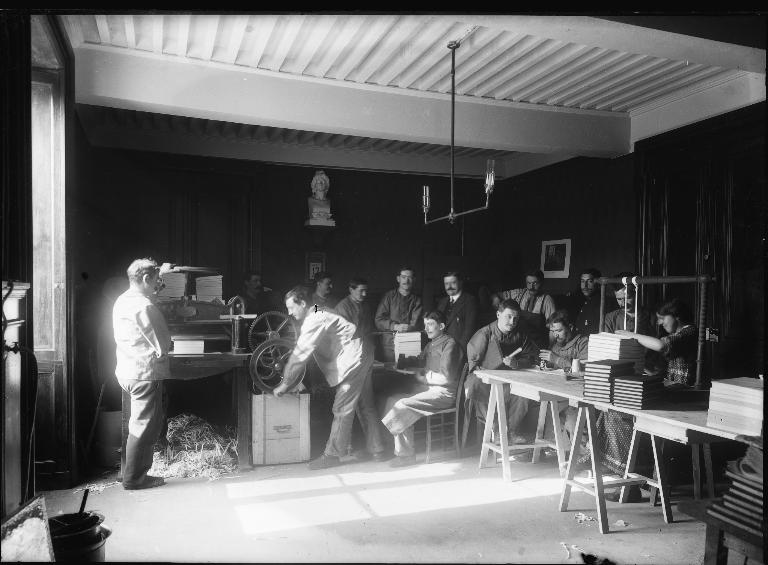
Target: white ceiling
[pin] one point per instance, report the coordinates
(373, 91)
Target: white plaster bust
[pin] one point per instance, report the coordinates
(319, 204)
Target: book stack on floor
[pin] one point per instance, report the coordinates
(637, 391)
(742, 505)
(407, 344)
(208, 288)
(606, 345)
(736, 405)
(599, 377)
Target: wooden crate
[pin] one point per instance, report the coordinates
(280, 429)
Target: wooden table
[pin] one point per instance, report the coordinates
(190, 367)
(669, 419)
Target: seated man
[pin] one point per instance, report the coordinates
(459, 308)
(257, 297)
(565, 346)
(322, 297)
(625, 298)
(565, 343)
(355, 308)
(331, 339)
(399, 311)
(536, 306)
(433, 391)
(585, 309)
(502, 344)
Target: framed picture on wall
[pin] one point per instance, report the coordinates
(315, 264)
(556, 258)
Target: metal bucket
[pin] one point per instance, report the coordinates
(79, 536)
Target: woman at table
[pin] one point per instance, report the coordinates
(678, 347)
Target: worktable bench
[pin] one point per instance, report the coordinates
(669, 419)
(190, 367)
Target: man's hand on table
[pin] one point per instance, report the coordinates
(546, 355)
(400, 327)
(510, 362)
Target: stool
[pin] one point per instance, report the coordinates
(659, 484)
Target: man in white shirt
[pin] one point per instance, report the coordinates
(536, 306)
(142, 343)
(339, 354)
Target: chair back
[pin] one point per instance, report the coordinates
(460, 392)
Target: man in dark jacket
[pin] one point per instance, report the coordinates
(459, 309)
(586, 306)
(503, 344)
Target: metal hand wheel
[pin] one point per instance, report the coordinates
(271, 325)
(268, 363)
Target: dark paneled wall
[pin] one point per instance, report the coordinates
(590, 201)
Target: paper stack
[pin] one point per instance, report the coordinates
(407, 344)
(606, 345)
(742, 505)
(736, 405)
(208, 288)
(188, 345)
(637, 391)
(175, 285)
(599, 376)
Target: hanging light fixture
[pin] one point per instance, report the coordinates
(489, 169)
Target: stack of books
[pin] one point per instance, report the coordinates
(208, 288)
(175, 285)
(188, 345)
(742, 505)
(599, 377)
(736, 405)
(606, 345)
(637, 391)
(407, 344)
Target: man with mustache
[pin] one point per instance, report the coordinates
(399, 311)
(459, 308)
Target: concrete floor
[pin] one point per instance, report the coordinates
(446, 511)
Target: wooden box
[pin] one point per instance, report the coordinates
(280, 429)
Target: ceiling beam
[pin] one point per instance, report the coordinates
(178, 142)
(674, 112)
(110, 77)
(607, 34)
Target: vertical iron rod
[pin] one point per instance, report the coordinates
(453, 47)
(702, 331)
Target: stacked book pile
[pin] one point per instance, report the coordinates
(742, 505)
(637, 391)
(599, 377)
(175, 285)
(188, 344)
(208, 288)
(407, 344)
(736, 405)
(606, 345)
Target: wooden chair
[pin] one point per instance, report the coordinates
(441, 426)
